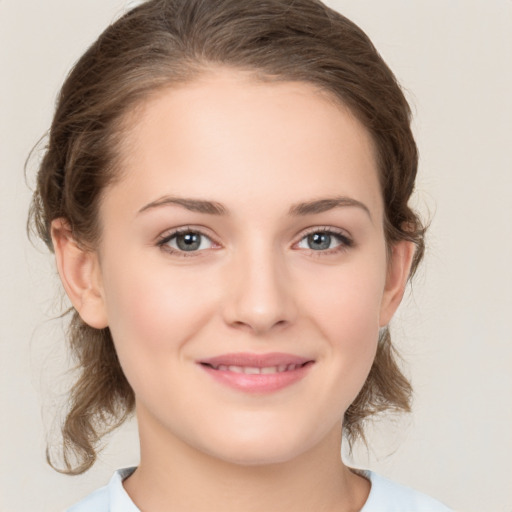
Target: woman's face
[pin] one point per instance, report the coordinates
(242, 267)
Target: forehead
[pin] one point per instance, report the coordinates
(227, 131)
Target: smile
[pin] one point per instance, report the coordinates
(257, 373)
(253, 370)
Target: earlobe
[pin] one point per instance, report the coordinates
(399, 266)
(80, 275)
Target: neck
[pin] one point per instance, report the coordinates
(173, 476)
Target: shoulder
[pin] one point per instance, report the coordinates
(111, 498)
(97, 501)
(388, 496)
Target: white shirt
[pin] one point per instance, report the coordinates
(385, 496)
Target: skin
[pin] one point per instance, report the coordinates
(255, 284)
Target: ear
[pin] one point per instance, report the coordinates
(399, 266)
(80, 274)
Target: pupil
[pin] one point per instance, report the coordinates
(188, 241)
(319, 241)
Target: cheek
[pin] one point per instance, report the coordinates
(346, 303)
(347, 314)
(353, 332)
(154, 318)
(153, 313)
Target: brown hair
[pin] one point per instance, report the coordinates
(162, 42)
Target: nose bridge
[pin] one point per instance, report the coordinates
(260, 297)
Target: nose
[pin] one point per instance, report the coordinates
(260, 296)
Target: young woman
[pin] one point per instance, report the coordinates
(226, 191)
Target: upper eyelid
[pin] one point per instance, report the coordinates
(322, 229)
(325, 229)
(169, 233)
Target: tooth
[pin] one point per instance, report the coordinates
(251, 371)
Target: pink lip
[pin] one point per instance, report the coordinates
(257, 382)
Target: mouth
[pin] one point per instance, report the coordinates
(257, 373)
(255, 370)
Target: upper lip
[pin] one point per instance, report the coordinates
(255, 360)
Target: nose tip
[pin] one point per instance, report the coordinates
(259, 322)
(260, 298)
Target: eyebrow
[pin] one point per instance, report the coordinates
(323, 205)
(299, 209)
(194, 205)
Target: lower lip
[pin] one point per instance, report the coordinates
(260, 382)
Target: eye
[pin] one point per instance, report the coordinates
(326, 240)
(186, 240)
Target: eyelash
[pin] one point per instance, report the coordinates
(166, 238)
(345, 242)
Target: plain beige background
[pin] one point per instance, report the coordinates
(454, 59)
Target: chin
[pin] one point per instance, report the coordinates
(256, 455)
(259, 447)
